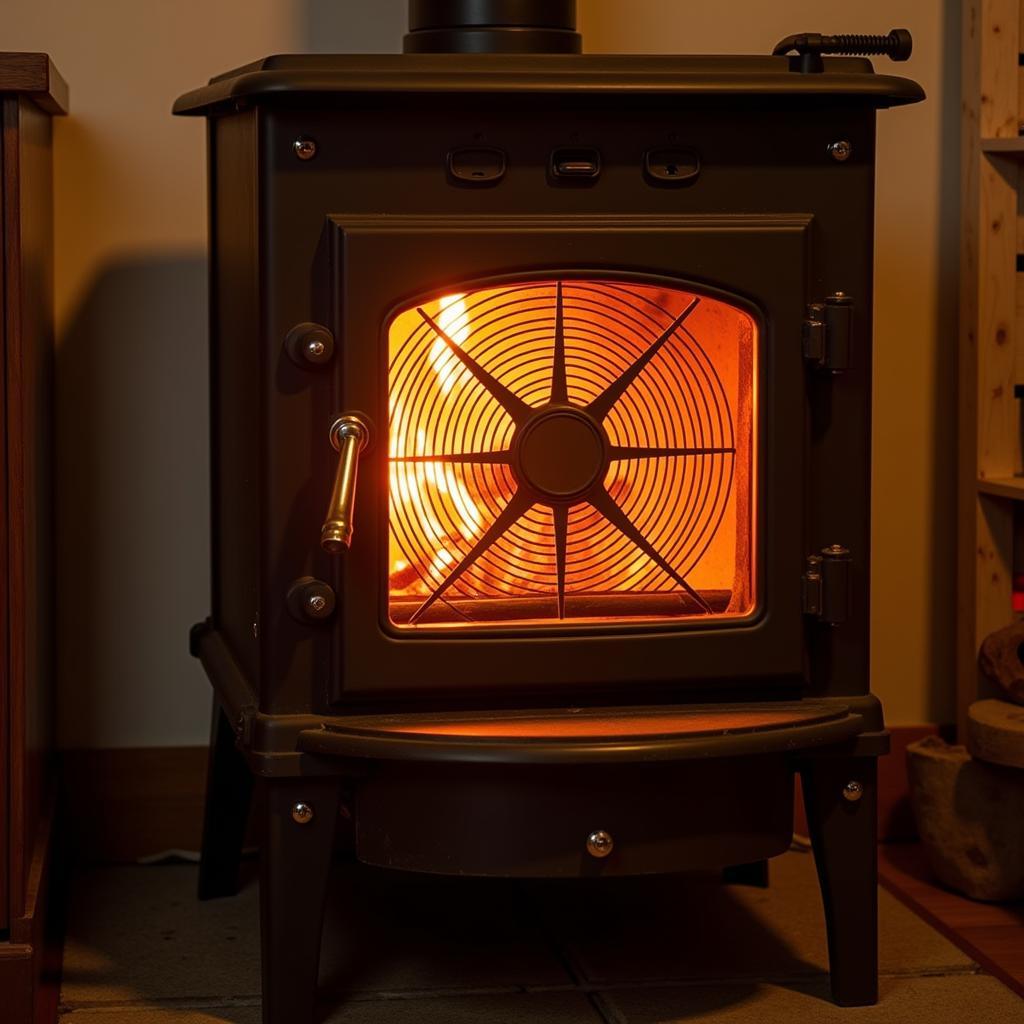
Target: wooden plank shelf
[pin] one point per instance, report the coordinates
(1004, 147)
(1003, 487)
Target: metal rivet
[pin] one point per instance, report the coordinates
(309, 345)
(305, 149)
(302, 813)
(841, 150)
(853, 791)
(310, 600)
(600, 843)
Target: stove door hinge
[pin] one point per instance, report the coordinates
(826, 585)
(828, 330)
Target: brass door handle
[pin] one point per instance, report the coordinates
(349, 436)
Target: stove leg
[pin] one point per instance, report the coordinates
(755, 874)
(295, 862)
(228, 796)
(840, 799)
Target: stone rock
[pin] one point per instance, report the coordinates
(1000, 660)
(995, 732)
(970, 816)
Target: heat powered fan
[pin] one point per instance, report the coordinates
(566, 451)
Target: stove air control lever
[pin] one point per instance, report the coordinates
(350, 435)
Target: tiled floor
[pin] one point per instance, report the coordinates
(408, 949)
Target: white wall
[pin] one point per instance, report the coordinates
(132, 424)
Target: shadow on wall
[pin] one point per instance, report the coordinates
(132, 530)
(333, 26)
(941, 704)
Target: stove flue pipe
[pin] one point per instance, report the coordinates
(492, 26)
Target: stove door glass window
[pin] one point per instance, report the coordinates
(566, 452)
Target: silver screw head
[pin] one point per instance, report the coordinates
(853, 791)
(302, 813)
(309, 345)
(841, 150)
(310, 600)
(600, 843)
(305, 149)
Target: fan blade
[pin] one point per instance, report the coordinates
(514, 406)
(601, 406)
(493, 458)
(605, 504)
(561, 517)
(559, 390)
(626, 452)
(518, 505)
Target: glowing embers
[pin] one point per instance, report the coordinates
(570, 451)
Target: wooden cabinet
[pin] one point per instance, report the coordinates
(31, 93)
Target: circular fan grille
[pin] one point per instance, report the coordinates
(473, 537)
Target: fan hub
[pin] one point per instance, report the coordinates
(561, 453)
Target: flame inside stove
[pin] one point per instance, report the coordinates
(570, 451)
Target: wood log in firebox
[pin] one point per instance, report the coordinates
(577, 606)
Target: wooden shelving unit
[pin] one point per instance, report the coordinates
(1009, 487)
(991, 361)
(1007, 147)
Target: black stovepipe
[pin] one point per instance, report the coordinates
(492, 26)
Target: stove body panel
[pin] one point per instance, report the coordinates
(375, 218)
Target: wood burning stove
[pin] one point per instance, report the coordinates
(575, 351)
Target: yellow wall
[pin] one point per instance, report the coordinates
(132, 425)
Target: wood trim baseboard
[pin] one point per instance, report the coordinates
(127, 803)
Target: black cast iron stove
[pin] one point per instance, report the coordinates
(594, 332)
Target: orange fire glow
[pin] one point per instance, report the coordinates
(570, 451)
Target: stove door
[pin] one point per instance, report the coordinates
(586, 460)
